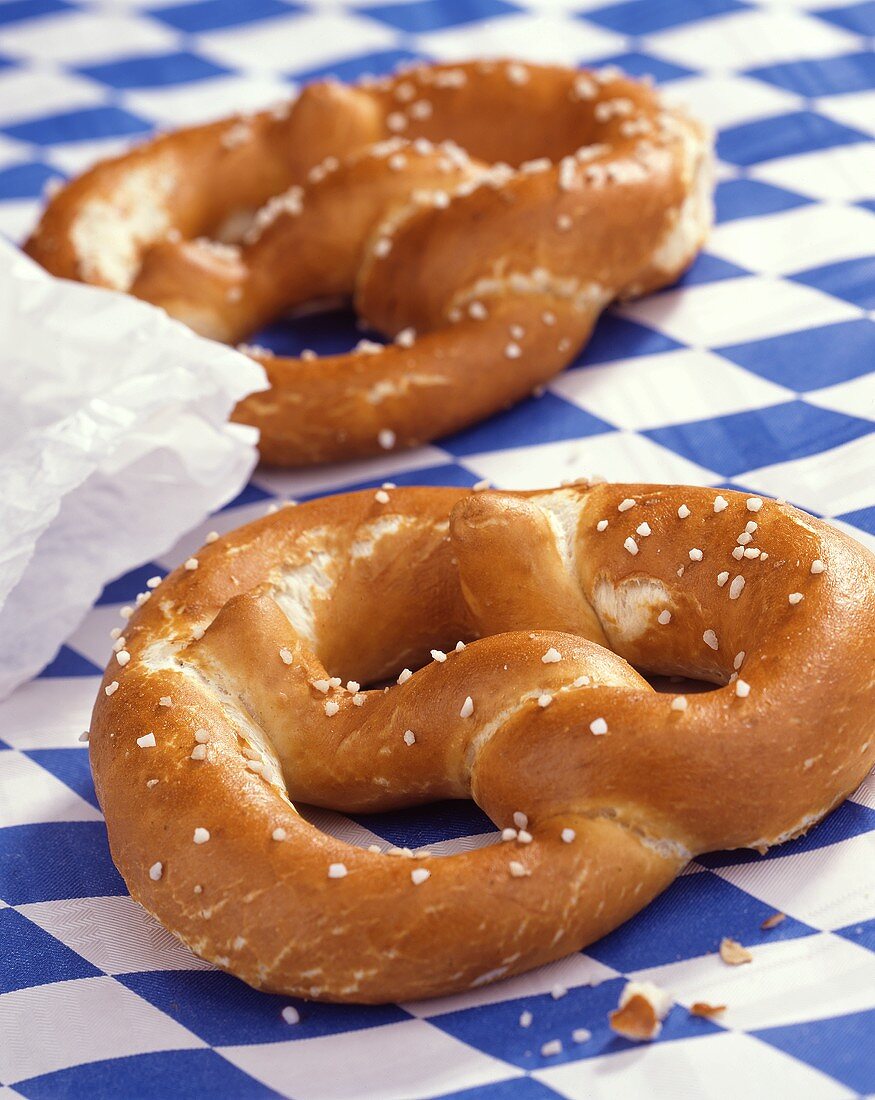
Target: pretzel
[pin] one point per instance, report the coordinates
(239, 688)
(482, 214)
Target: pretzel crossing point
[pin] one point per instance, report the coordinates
(241, 685)
(481, 214)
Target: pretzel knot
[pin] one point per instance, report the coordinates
(482, 215)
(239, 687)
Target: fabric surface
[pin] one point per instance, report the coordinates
(755, 374)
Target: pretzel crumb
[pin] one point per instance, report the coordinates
(773, 921)
(732, 952)
(639, 1015)
(708, 1012)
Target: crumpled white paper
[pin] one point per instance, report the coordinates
(114, 441)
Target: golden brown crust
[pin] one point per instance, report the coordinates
(254, 641)
(482, 214)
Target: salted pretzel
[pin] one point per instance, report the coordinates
(240, 687)
(482, 215)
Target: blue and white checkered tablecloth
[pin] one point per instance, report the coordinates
(755, 373)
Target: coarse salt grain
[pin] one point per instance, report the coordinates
(551, 1047)
(722, 578)
(601, 525)
(147, 741)
(467, 708)
(742, 689)
(286, 656)
(386, 438)
(736, 588)
(683, 512)
(331, 708)
(526, 1018)
(739, 660)
(513, 351)
(710, 639)
(123, 657)
(291, 1015)
(404, 676)
(191, 564)
(552, 656)
(153, 582)
(279, 834)
(199, 752)
(381, 496)
(664, 617)
(817, 566)
(754, 504)
(524, 837)
(679, 702)
(201, 836)
(795, 597)
(508, 834)
(517, 869)
(545, 700)
(520, 819)
(568, 835)
(625, 505)
(631, 545)
(409, 737)
(337, 870)
(438, 655)
(598, 726)
(419, 875)
(84, 737)
(720, 504)
(156, 871)
(581, 1035)
(696, 554)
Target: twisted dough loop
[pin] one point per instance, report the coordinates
(483, 214)
(540, 715)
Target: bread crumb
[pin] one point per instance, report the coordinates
(732, 952)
